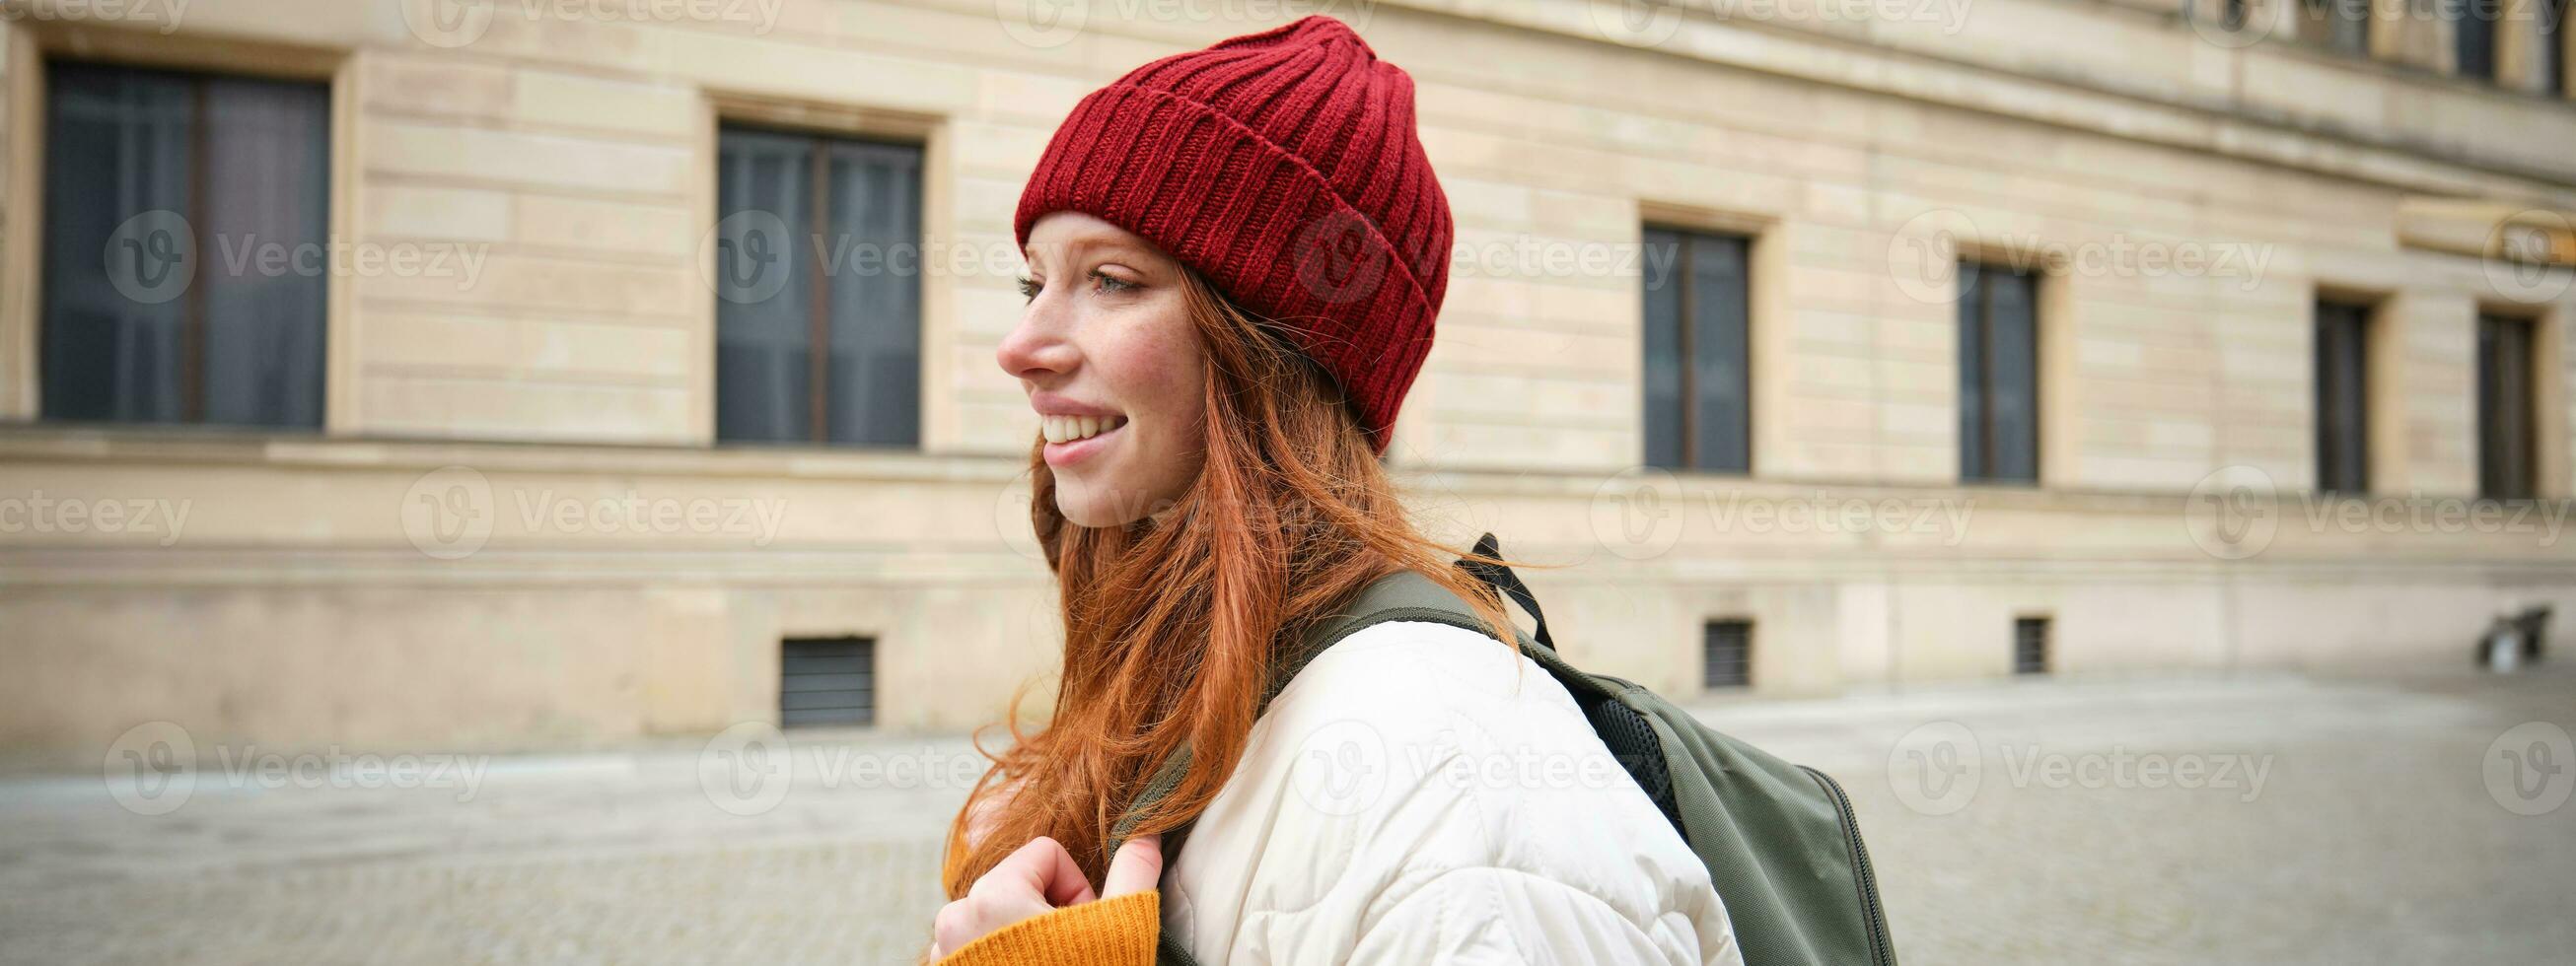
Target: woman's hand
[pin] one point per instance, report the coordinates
(1040, 878)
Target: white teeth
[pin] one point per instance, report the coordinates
(1066, 429)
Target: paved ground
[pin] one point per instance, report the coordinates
(2245, 820)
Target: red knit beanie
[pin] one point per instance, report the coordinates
(1284, 167)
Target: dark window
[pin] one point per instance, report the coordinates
(163, 190)
(2341, 25)
(2030, 645)
(827, 681)
(2553, 47)
(2504, 408)
(818, 309)
(2473, 33)
(1998, 374)
(1698, 377)
(2343, 398)
(1727, 649)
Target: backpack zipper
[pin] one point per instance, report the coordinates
(1868, 878)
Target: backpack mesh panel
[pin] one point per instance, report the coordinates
(1631, 739)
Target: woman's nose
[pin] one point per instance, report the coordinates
(1037, 347)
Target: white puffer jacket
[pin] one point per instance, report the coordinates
(1420, 795)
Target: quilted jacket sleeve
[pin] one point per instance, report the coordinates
(1492, 915)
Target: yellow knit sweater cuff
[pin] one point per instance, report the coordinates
(1105, 932)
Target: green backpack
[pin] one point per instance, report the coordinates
(1779, 840)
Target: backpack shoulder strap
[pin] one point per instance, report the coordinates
(1400, 596)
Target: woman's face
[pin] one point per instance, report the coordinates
(1112, 365)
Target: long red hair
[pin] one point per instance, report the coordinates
(1171, 622)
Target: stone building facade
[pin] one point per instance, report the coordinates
(2271, 371)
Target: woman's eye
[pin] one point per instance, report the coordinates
(1111, 284)
(1029, 289)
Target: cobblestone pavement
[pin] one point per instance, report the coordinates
(2241, 820)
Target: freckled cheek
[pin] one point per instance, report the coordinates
(1157, 376)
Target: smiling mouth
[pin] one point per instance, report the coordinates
(1067, 429)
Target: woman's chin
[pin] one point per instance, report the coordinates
(1085, 506)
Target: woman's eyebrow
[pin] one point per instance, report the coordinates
(1110, 246)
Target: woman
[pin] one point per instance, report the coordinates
(1235, 256)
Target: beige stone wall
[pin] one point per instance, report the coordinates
(313, 595)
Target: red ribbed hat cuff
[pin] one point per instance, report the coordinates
(1257, 221)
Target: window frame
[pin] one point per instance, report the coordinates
(866, 652)
(2527, 372)
(1981, 467)
(1710, 637)
(2485, 40)
(25, 315)
(1685, 329)
(818, 207)
(2362, 319)
(2551, 26)
(2029, 661)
